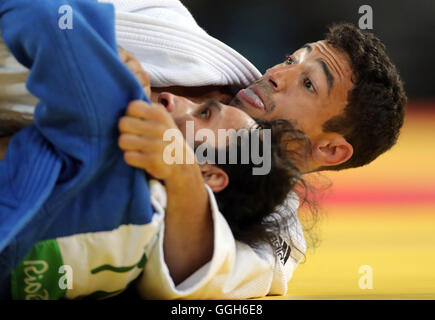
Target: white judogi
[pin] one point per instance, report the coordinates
(174, 50)
(103, 264)
(236, 271)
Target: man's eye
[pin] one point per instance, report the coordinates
(205, 113)
(308, 84)
(289, 60)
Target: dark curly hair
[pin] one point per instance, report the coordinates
(374, 115)
(249, 202)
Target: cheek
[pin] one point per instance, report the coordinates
(292, 108)
(182, 127)
(304, 115)
(183, 123)
(339, 101)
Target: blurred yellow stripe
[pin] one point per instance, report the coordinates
(398, 246)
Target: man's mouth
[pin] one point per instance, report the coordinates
(252, 97)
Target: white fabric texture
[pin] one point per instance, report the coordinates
(174, 50)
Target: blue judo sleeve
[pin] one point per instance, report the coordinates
(64, 174)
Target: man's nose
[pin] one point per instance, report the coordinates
(177, 106)
(173, 103)
(278, 77)
(167, 100)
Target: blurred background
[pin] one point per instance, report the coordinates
(380, 217)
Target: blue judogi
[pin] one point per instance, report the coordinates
(65, 174)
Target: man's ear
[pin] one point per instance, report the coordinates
(332, 151)
(216, 178)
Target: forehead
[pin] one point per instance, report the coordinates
(337, 61)
(321, 55)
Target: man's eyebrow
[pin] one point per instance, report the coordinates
(328, 74)
(213, 104)
(308, 47)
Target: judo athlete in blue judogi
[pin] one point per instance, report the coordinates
(64, 174)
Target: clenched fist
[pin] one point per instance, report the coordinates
(142, 130)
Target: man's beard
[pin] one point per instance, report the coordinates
(235, 102)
